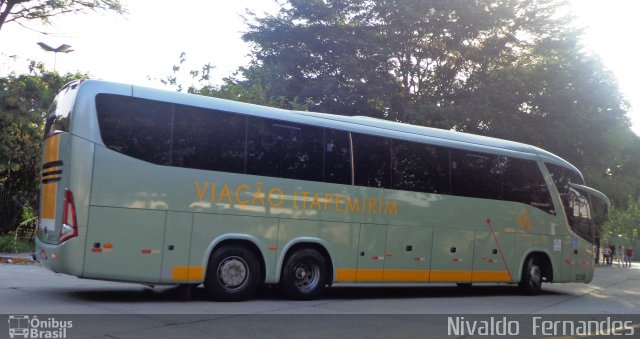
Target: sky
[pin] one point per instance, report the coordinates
(142, 46)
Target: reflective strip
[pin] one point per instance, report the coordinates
(345, 275)
(192, 273)
(450, 276)
(379, 275)
(51, 148)
(491, 276)
(405, 276)
(369, 275)
(50, 188)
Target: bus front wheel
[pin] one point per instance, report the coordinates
(233, 274)
(531, 282)
(304, 275)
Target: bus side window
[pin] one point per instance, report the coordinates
(284, 149)
(139, 128)
(337, 157)
(208, 139)
(523, 182)
(372, 160)
(420, 167)
(476, 175)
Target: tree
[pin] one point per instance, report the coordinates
(44, 10)
(622, 222)
(512, 69)
(24, 100)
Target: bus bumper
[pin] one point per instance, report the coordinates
(67, 258)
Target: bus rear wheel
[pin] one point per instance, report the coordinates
(304, 275)
(531, 282)
(233, 274)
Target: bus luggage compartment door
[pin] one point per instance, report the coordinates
(124, 244)
(452, 255)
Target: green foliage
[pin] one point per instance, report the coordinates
(23, 102)
(198, 82)
(11, 244)
(622, 222)
(510, 69)
(43, 10)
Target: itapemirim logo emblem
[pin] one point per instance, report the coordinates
(24, 326)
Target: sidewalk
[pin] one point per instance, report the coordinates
(17, 258)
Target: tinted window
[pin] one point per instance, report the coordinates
(59, 112)
(477, 175)
(139, 128)
(208, 139)
(372, 157)
(575, 204)
(284, 149)
(420, 167)
(337, 157)
(523, 182)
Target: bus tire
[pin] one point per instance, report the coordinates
(531, 282)
(304, 275)
(233, 274)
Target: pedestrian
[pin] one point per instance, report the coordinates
(620, 254)
(597, 250)
(628, 255)
(612, 254)
(606, 255)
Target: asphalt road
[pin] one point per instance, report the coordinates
(119, 310)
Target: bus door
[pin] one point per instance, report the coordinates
(407, 254)
(452, 255)
(371, 253)
(124, 244)
(577, 249)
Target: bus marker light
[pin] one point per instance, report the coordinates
(150, 251)
(108, 245)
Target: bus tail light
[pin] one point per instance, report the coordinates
(69, 223)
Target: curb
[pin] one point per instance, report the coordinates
(17, 258)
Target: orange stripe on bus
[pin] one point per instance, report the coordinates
(345, 275)
(491, 276)
(368, 275)
(49, 201)
(379, 275)
(49, 190)
(193, 273)
(51, 148)
(450, 276)
(405, 276)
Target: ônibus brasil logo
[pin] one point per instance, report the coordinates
(23, 326)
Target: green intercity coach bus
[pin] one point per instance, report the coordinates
(157, 187)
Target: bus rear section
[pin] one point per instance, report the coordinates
(60, 235)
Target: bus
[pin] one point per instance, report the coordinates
(156, 187)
